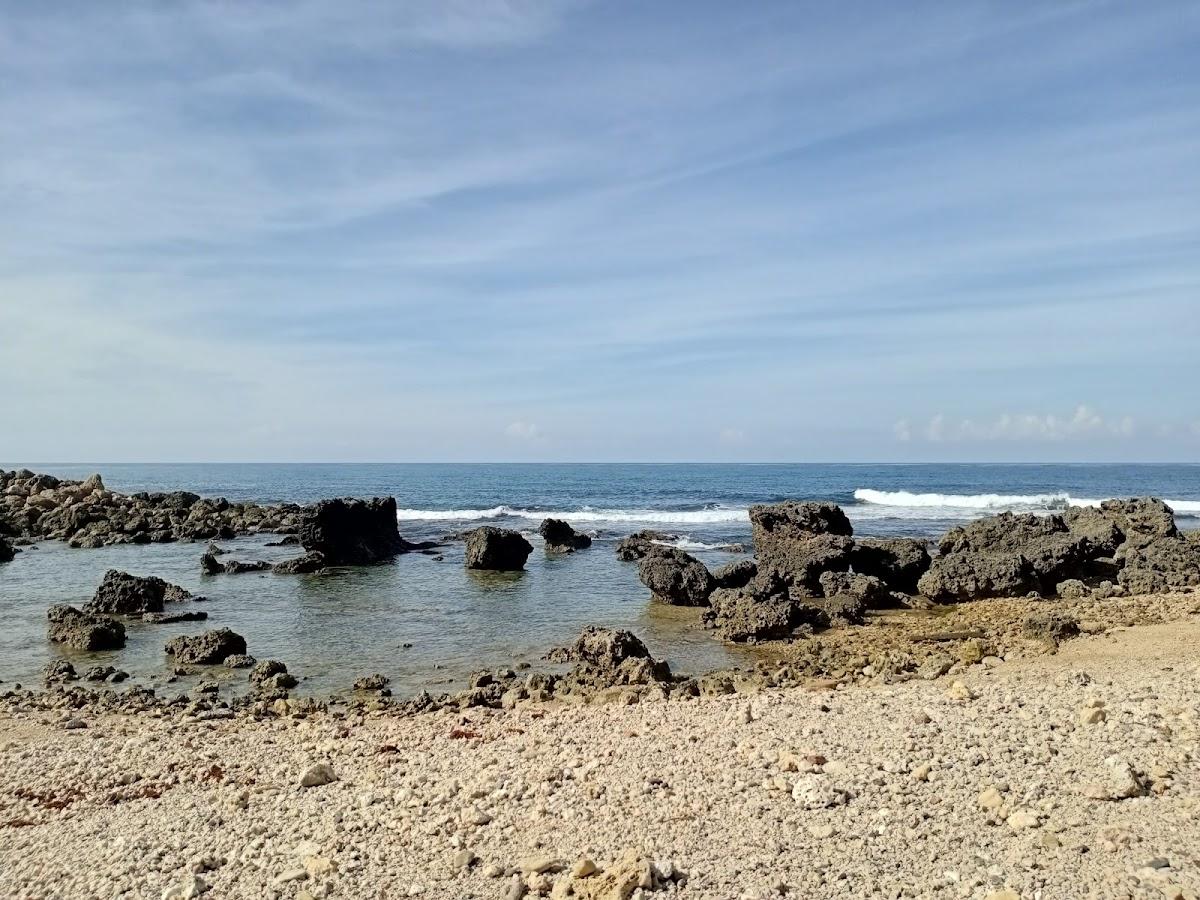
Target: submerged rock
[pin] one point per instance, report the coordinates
(210, 565)
(301, 565)
(352, 532)
(560, 537)
(496, 549)
(208, 648)
(676, 577)
(84, 630)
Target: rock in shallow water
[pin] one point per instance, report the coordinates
(208, 648)
(496, 549)
(675, 577)
(352, 532)
(560, 537)
(83, 630)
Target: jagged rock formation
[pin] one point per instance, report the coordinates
(496, 549)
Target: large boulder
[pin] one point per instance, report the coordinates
(560, 537)
(82, 630)
(897, 562)
(496, 549)
(676, 577)
(123, 594)
(800, 540)
(7, 552)
(1141, 520)
(209, 648)
(350, 532)
(1007, 555)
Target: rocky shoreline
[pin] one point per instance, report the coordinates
(818, 601)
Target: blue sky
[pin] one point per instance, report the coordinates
(487, 230)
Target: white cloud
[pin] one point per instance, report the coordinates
(903, 430)
(1084, 422)
(523, 431)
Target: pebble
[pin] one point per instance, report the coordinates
(318, 775)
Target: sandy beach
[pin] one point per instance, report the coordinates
(1064, 775)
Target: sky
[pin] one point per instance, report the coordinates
(469, 230)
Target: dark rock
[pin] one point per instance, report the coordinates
(301, 565)
(267, 669)
(897, 562)
(120, 593)
(83, 630)
(1099, 528)
(795, 520)
(735, 574)
(376, 682)
(7, 551)
(351, 532)
(214, 550)
(496, 549)
(213, 566)
(59, 671)
(1162, 565)
(561, 537)
(970, 576)
(287, 540)
(239, 661)
(636, 546)
(166, 618)
(208, 648)
(99, 673)
(1141, 520)
(741, 614)
(607, 658)
(676, 577)
(830, 612)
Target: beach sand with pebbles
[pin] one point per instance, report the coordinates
(1072, 774)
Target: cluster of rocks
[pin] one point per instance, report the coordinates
(1123, 546)
(339, 532)
(119, 594)
(87, 514)
(808, 571)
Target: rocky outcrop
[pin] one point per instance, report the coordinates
(83, 630)
(351, 532)
(675, 577)
(560, 537)
(7, 551)
(496, 549)
(797, 541)
(1134, 541)
(209, 648)
(123, 594)
(87, 514)
(638, 544)
(897, 562)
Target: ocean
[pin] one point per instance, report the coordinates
(427, 624)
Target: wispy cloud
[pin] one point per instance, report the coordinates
(627, 225)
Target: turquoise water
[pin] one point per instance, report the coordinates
(428, 623)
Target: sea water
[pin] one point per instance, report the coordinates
(427, 623)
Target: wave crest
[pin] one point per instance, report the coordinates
(708, 515)
(996, 502)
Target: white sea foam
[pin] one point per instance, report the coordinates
(709, 515)
(957, 504)
(688, 544)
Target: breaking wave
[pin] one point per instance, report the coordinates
(707, 515)
(984, 503)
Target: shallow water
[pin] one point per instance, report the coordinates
(333, 629)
